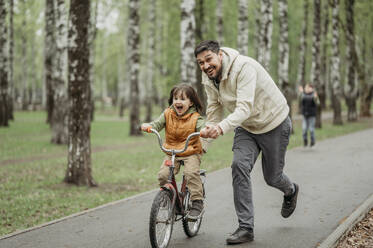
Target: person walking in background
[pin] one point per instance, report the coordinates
(259, 116)
(309, 102)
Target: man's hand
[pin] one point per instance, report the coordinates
(211, 132)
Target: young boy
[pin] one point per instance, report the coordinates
(309, 100)
(181, 119)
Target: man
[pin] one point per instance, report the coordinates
(309, 102)
(259, 117)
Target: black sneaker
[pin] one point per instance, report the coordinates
(290, 202)
(196, 210)
(305, 143)
(312, 143)
(241, 235)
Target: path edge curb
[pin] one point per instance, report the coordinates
(342, 230)
(76, 215)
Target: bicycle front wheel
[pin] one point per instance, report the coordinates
(191, 228)
(162, 216)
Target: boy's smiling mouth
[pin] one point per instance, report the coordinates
(179, 109)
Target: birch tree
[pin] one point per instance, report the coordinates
(219, 22)
(92, 53)
(351, 88)
(257, 28)
(187, 39)
(283, 48)
(79, 170)
(243, 28)
(316, 51)
(366, 88)
(301, 76)
(49, 52)
(123, 82)
(133, 40)
(266, 22)
(4, 108)
(103, 81)
(11, 56)
(337, 93)
(152, 90)
(324, 56)
(25, 65)
(200, 30)
(60, 111)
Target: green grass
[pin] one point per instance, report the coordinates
(31, 187)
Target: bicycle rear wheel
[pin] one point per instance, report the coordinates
(191, 228)
(162, 216)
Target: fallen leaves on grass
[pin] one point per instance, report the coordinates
(361, 235)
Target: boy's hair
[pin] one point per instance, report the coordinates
(206, 45)
(189, 92)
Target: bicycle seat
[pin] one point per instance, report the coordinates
(202, 172)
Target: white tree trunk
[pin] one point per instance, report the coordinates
(316, 51)
(337, 93)
(11, 59)
(92, 52)
(264, 54)
(187, 38)
(32, 75)
(59, 120)
(351, 87)
(283, 47)
(322, 92)
(25, 68)
(152, 89)
(219, 22)
(134, 64)
(104, 94)
(301, 77)
(79, 143)
(243, 28)
(4, 108)
(257, 28)
(123, 81)
(49, 52)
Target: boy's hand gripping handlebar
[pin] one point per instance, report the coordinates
(172, 150)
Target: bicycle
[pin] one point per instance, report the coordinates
(170, 205)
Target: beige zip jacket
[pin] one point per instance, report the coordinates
(248, 92)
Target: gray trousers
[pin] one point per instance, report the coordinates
(309, 124)
(246, 148)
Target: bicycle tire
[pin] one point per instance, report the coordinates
(162, 203)
(191, 228)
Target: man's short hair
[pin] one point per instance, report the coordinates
(206, 45)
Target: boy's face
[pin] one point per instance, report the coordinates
(181, 103)
(308, 89)
(210, 63)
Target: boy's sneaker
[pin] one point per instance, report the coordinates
(312, 143)
(290, 202)
(196, 210)
(305, 143)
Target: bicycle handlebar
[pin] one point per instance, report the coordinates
(172, 150)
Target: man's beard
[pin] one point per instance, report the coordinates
(217, 78)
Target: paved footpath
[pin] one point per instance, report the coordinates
(335, 177)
